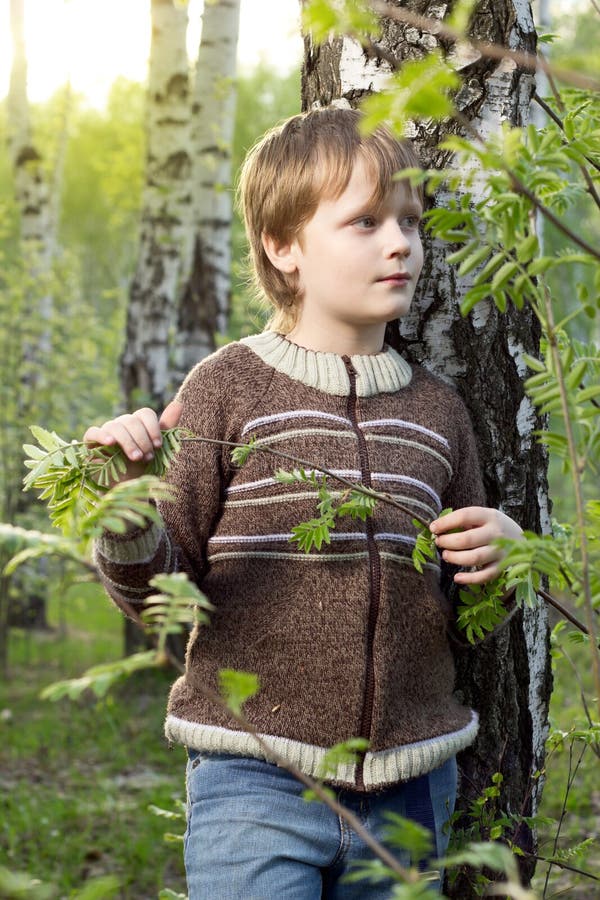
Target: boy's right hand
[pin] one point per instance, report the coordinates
(138, 434)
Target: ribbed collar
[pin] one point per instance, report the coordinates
(377, 373)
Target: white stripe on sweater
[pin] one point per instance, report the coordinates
(319, 414)
(313, 495)
(314, 557)
(330, 432)
(293, 414)
(334, 536)
(343, 473)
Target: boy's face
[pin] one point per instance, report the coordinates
(358, 264)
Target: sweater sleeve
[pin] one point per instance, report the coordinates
(178, 543)
(466, 485)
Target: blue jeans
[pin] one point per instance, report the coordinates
(251, 836)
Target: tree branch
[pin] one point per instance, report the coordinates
(306, 464)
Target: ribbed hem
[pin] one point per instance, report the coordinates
(380, 769)
(377, 373)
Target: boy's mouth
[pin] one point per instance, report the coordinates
(396, 278)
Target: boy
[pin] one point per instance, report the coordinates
(350, 641)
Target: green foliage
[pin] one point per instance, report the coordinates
(357, 503)
(237, 688)
(99, 679)
(16, 885)
(354, 17)
(75, 480)
(239, 455)
(408, 835)
(346, 753)
(421, 88)
(425, 548)
(180, 604)
(480, 609)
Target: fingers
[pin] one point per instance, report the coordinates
(481, 556)
(467, 517)
(473, 545)
(481, 576)
(137, 433)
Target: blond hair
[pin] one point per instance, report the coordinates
(284, 176)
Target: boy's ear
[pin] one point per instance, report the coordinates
(281, 253)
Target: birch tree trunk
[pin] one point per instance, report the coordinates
(204, 303)
(38, 232)
(166, 202)
(507, 679)
(37, 202)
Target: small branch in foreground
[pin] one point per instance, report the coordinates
(558, 121)
(519, 187)
(562, 865)
(306, 464)
(385, 498)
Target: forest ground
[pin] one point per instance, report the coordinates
(77, 778)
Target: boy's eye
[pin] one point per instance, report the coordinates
(365, 222)
(410, 221)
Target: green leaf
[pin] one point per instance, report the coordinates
(527, 248)
(345, 753)
(461, 14)
(322, 18)
(504, 274)
(102, 888)
(540, 265)
(313, 533)
(476, 259)
(419, 90)
(237, 688)
(49, 440)
(240, 455)
(99, 679)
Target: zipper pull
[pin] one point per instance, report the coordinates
(349, 367)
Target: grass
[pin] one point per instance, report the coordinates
(582, 803)
(78, 777)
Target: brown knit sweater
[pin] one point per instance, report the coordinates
(348, 641)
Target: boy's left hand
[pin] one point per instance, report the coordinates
(472, 545)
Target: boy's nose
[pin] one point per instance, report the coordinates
(396, 242)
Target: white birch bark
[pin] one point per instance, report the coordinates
(508, 679)
(38, 236)
(204, 303)
(166, 202)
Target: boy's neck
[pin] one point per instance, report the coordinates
(340, 341)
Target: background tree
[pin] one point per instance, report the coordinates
(145, 365)
(37, 191)
(204, 303)
(508, 678)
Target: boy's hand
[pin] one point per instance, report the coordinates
(138, 434)
(472, 545)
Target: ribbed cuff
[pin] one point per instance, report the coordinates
(140, 547)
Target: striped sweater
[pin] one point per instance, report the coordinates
(348, 641)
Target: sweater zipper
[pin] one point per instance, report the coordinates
(374, 575)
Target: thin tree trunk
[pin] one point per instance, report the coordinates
(38, 237)
(204, 304)
(508, 678)
(145, 364)
(38, 245)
